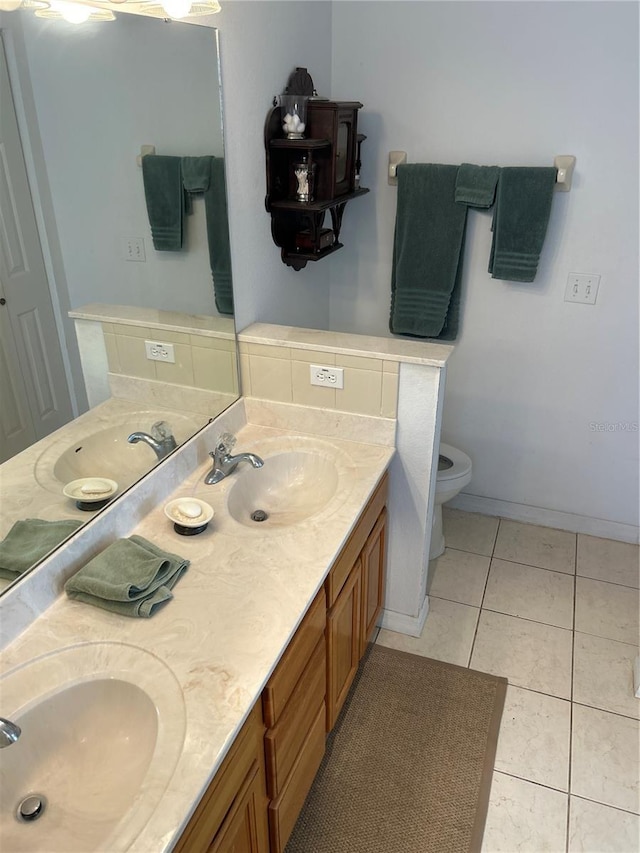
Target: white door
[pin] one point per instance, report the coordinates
(34, 395)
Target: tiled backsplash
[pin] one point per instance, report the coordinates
(281, 374)
(201, 361)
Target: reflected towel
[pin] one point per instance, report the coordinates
(29, 540)
(131, 577)
(206, 175)
(165, 199)
(520, 220)
(476, 185)
(427, 253)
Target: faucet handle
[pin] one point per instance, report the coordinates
(226, 442)
(161, 431)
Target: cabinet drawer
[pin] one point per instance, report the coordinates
(284, 811)
(283, 742)
(293, 662)
(349, 554)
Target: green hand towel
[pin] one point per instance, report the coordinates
(427, 253)
(206, 175)
(29, 540)
(132, 577)
(520, 221)
(165, 199)
(476, 185)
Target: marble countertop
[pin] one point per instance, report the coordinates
(233, 613)
(427, 352)
(156, 318)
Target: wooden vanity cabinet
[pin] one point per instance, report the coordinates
(294, 709)
(355, 593)
(232, 815)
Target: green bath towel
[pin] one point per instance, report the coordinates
(427, 253)
(476, 185)
(520, 220)
(206, 175)
(131, 577)
(29, 540)
(165, 200)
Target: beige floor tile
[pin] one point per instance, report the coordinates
(607, 610)
(469, 531)
(459, 576)
(524, 818)
(536, 546)
(529, 654)
(603, 674)
(531, 593)
(608, 560)
(594, 828)
(534, 738)
(605, 758)
(447, 634)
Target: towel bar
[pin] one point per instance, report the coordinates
(564, 164)
(144, 150)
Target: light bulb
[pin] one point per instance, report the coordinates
(10, 5)
(74, 13)
(177, 8)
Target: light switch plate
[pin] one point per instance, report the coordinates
(582, 287)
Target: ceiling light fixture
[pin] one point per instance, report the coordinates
(79, 11)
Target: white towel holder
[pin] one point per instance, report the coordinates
(564, 164)
(144, 150)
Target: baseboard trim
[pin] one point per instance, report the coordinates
(547, 517)
(403, 624)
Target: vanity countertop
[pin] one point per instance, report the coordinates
(233, 613)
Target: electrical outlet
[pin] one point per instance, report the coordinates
(326, 377)
(157, 351)
(582, 287)
(133, 249)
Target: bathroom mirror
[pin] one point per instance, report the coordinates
(88, 98)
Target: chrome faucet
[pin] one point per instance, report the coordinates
(225, 464)
(9, 732)
(161, 439)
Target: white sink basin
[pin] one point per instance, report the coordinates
(106, 452)
(102, 731)
(295, 484)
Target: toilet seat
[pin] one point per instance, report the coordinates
(461, 464)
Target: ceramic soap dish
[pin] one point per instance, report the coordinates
(90, 493)
(190, 516)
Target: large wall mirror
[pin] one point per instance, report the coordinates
(76, 239)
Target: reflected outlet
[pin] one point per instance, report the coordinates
(157, 351)
(327, 377)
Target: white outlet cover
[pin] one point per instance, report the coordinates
(326, 377)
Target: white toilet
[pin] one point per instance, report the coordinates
(454, 473)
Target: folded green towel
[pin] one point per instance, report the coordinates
(520, 220)
(476, 185)
(131, 577)
(206, 175)
(29, 540)
(427, 253)
(165, 199)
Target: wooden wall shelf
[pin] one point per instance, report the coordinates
(332, 151)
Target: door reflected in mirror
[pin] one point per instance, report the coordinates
(94, 313)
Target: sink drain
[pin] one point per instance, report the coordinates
(31, 808)
(259, 515)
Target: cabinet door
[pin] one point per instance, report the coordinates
(343, 643)
(373, 559)
(242, 830)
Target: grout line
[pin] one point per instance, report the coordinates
(599, 803)
(533, 782)
(571, 693)
(606, 711)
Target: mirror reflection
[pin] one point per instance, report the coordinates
(98, 318)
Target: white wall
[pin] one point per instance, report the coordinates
(513, 84)
(261, 43)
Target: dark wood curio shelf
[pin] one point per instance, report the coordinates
(332, 150)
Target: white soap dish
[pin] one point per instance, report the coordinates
(190, 516)
(90, 493)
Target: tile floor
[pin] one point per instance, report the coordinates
(557, 614)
